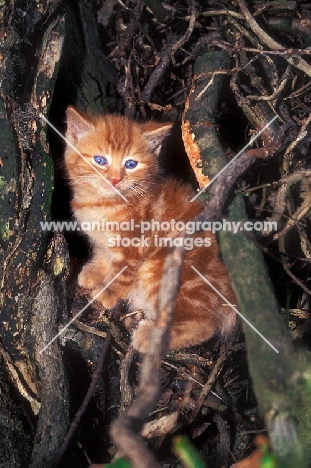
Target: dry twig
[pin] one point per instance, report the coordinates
(296, 60)
(158, 72)
(187, 34)
(125, 430)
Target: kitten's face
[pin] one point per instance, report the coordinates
(112, 148)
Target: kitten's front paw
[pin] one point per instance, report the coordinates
(88, 278)
(142, 335)
(106, 298)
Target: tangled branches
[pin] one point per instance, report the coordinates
(157, 50)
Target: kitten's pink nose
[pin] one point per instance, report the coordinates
(114, 180)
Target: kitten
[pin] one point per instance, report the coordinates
(126, 154)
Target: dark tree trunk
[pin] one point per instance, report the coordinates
(33, 265)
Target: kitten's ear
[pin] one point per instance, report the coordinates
(155, 133)
(77, 125)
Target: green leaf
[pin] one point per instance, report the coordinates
(120, 463)
(187, 453)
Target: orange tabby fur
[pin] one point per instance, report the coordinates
(199, 312)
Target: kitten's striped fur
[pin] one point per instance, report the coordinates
(199, 313)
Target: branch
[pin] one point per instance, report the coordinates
(187, 34)
(274, 375)
(198, 125)
(125, 430)
(54, 412)
(296, 61)
(158, 72)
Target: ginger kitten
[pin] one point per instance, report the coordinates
(116, 181)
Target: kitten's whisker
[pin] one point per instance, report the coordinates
(88, 179)
(93, 180)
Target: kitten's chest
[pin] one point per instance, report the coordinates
(100, 210)
(106, 223)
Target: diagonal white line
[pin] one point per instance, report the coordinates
(82, 310)
(235, 309)
(233, 159)
(83, 157)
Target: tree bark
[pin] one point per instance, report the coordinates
(34, 266)
(275, 375)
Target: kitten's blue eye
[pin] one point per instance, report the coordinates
(100, 160)
(130, 164)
